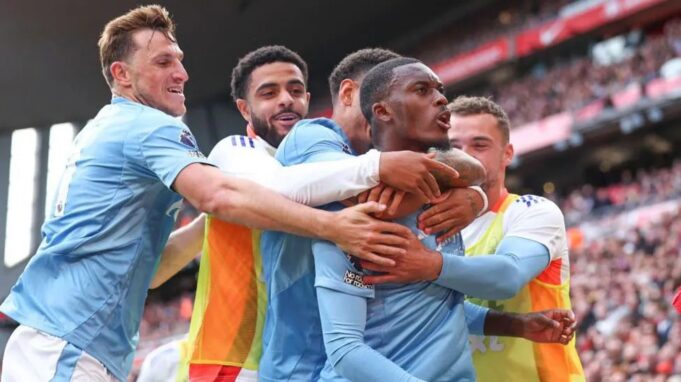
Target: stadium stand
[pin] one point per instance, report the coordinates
(577, 83)
(622, 282)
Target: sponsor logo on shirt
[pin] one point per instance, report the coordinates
(187, 139)
(355, 279)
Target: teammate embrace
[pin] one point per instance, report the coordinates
(321, 294)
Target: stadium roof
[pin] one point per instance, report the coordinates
(49, 65)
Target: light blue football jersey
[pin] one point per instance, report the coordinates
(421, 327)
(293, 349)
(111, 218)
(293, 346)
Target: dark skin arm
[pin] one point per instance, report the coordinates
(548, 326)
(471, 171)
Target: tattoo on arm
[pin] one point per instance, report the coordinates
(471, 171)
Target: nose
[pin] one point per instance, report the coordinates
(440, 99)
(180, 74)
(285, 98)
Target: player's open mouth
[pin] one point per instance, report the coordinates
(287, 118)
(176, 91)
(443, 119)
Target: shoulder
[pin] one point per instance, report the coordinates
(533, 203)
(313, 130)
(237, 142)
(235, 147)
(534, 210)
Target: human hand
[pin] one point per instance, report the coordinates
(412, 172)
(370, 239)
(548, 326)
(456, 209)
(385, 195)
(416, 263)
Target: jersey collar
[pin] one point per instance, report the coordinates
(251, 134)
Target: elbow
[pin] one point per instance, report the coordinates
(338, 348)
(219, 203)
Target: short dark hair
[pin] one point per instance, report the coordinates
(376, 83)
(464, 106)
(356, 64)
(241, 74)
(116, 44)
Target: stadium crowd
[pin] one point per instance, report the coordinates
(621, 288)
(468, 34)
(577, 82)
(635, 189)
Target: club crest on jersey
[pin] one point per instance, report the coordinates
(187, 139)
(355, 279)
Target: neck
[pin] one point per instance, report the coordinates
(392, 142)
(496, 192)
(347, 125)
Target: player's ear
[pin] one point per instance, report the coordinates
(120, 73)
(508, 154)
(382, 111)
(345, 92)
(242, 106)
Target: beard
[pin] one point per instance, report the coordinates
(265, 130)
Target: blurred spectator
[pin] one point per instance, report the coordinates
(646, 187)
(487, 25)
(571, 84)
(163, 320)
(622, 287)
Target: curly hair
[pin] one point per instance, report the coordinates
(241, 74)
(355, 65)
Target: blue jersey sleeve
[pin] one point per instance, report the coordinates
(335, 270)
(311, 142)
(343, 318)
(475, 318)
(168, 149)
(519, 260)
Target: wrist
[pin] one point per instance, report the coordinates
(434, 268)
(516, 325)
(373, 165)
(324, 225)
(483, 197)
